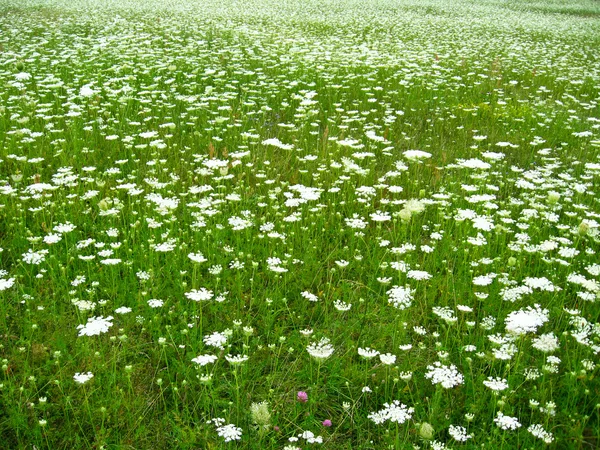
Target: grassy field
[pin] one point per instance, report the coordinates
(299, 224)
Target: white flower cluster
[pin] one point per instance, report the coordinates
(82, 378)
(538, 431)
(496, 384)
(95, 326)
(447, 376)
(506, 422)
(320, 350)
(199, 295)
(400, 297)
(394, 412)
(527, 320)
(459, 433)
(6, 283)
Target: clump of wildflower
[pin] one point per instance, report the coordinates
(95, 326)
(367, 353)
(83, 378)
(546, 343)
(526, 320)
(203, 360)
(302, 396)
(538, 431)
(447, 376)
(394, 412)
(310, 437)
(496, 384)
(320, 350)
(459, 433)
(199, 295)
(230, 432)
(506, 422)
(388, 359)
(236, 360)
(6, 284)
(400, 297)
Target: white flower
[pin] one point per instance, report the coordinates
(123, 310)
(380, 216)
(418, 275)
(342, 306)
(484, 280)
(506, 422)
(86, 91)
(541, 283)
(526, 321)
(546, 343)
(230, 432)
(474, 163)
(320, 350)
(22, 76)
(459, 433)
(277, 143)
(95, 326)
(394, 412)
(6, 284)
(236, 360)
(447, 376)
(310, 296)
(34, 258)
(198, 295)
(52, 238)
(216, 339)
(388, 359)
(110, 261)
(400, 297)
(445, 312)
(310, 437)
(203, 360)
(367, 353)
(82, 378)
(197, 257)
(416, 155)
(496, 384)
(356, 222)
(155, 303)
(538, 431)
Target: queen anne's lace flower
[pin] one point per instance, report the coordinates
(82, 378)
(199, 295)
(526, 320)
(546, 343)
(400, 297)
(394, 412)
(95, 326)
(230, 432)
(447, 376)
(459, 433)
(496, 384)
(6, 284)
(320, 350)
(506, 422)
(538, 431)
(204, 359)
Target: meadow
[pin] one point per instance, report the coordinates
(299, 224)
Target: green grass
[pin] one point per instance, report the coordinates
(150, 128)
